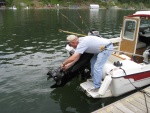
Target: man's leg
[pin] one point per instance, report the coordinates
(98, 67)
(93, 60)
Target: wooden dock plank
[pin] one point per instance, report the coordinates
(147, 90)
(108, 109)
(122, 108)
(141, 95)
(142, 101)
(99, 111)
(134, 103)
(114, 109)
(137, 104)
(131, 107)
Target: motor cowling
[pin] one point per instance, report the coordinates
(146, 55)
(56, 75)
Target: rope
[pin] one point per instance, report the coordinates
(71, 22)
(82, 20)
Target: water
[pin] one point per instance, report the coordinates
(30, 43)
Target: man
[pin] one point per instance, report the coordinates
(90, 44)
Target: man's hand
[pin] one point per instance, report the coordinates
(65, 67)
(70, 61)
(62, 66)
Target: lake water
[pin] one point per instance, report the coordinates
(30, 43)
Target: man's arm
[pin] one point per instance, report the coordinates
(72, 58)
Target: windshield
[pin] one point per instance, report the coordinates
(145, 25)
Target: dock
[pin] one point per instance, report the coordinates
(135, 103)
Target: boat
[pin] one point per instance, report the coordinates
(94, 6)
(27, 7)
(127, 69)
(13, 8)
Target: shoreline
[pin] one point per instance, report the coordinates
(73, 7)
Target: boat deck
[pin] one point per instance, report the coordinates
(135, 103)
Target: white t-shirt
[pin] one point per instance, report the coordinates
(91, 44)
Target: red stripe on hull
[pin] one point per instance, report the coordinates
(138, 76)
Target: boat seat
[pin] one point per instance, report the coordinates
(140, 45)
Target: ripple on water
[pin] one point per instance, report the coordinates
(14, 34)
(35, 59)
(49, 49)
(28, 48)
(9, 49)
(34, 42)
(27, 40)
(28, 52)
(1, 45)
(41, 42)
(7, 56)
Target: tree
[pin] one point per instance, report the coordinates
(9, 2)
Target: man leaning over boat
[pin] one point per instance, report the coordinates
(94, 45)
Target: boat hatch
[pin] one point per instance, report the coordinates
(130, 37)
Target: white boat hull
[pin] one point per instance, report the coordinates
(126, 78)
(126, 85)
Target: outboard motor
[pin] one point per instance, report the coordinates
(93, 32)
(81, 67)
(56, 75)
(71, 50)
(146, 55)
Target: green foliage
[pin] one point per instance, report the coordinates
(9, 2)
(125, 5)
(54, 1)
(134, 1)
(103, 3)
(45, 1)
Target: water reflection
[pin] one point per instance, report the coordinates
(94, 17)
(69, 98)
(72, 100)
(105, 21)
(1, 20)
